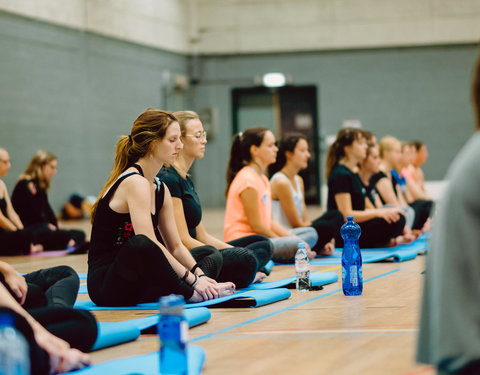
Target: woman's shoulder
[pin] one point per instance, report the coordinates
(340, 170)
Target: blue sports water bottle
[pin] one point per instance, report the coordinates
(173, 332)
(14, 349)
(352, 281)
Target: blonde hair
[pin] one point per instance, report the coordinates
(387, 143)
(150, 126)
(183, 117)
(34, 168)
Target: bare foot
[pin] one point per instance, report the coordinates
(427, 226)
(71, 243)
(406, 238)
(225, 289)
(34, 249)
(328, 248)
(259, 277)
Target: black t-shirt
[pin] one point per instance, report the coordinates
(185, 190)
(343, 180)
(377, 177)
(370, 192)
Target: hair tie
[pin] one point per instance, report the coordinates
(130, 139)
(240, 136)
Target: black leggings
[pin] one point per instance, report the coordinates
(376, 233)
(77, 327)
(241, 263)
(54, 239)
(15, 243)
(423, 210)
(141, 273)
(53, 287)
(327, 226)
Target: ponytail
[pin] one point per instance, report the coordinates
(240, 151)
(345, 137)
(236, 160)
(150, 126)
(119, 165)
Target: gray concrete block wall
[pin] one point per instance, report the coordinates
(73, 93)
(411, 93)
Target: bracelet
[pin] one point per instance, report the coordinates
(202, 275)
(195, 267)
(184, 278)
(195, 281)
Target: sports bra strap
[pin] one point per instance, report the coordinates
(138, 168)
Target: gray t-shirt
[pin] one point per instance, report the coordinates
(449, 335)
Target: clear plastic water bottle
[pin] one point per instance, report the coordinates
(352, 279)
(14, 349)
(173, 333)
(302, 268)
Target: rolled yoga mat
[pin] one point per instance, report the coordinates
(250, 298)
(115, 333)
(143, 364)
(317, 279)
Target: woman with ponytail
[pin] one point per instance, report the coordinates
(346, 193)
(249, 198)
(127, 264)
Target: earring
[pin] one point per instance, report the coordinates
(151, 156)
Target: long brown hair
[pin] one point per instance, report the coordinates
(345, 137)
(476, 93)
(34, 168)
(150, 126)
(240, 151)
(286, 143)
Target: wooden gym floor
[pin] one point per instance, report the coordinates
(320, 332)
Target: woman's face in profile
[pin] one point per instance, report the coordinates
(49, 170)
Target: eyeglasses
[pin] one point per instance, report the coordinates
(198, 136)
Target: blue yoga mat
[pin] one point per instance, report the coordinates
(249, 298)
(400, 253)
(143, 364)
(115, 333)
(317, 279)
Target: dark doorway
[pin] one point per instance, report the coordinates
(283, 110)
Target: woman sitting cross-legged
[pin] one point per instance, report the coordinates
(249, 201)
(127, 264)
(380, 226)
(30, 201)
(288, 194)
(244, 258)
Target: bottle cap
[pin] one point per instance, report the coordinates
(301, 245)
(171, 301)
(350, 218)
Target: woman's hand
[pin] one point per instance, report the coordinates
(17, 284)
(390, 215)
(62, 357)
(206, 288)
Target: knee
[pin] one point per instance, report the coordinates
(65, 272)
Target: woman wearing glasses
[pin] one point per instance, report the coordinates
(243, 259)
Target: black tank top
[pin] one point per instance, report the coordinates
(3, 207)
(110, 229)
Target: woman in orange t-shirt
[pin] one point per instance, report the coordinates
(249, 198)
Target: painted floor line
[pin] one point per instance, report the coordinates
(226, 329)
(329, 331)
